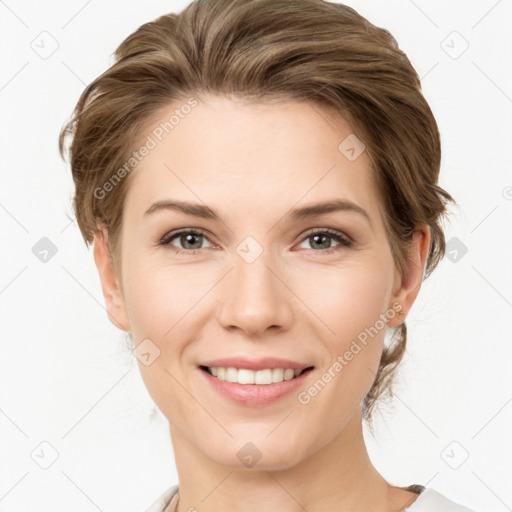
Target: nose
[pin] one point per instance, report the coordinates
(257, 297)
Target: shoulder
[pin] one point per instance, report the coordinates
(164, 500)
(430, 500)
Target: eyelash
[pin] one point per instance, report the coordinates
(343, 240)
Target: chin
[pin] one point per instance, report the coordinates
(254, 455)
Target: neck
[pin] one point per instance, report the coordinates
(339, 476)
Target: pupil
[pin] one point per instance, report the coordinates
(325, 244)
(189, 237)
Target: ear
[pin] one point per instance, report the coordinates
(114, 300)
(407, 286)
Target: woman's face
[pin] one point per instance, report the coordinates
(256, 281)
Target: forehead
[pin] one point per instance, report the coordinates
(237, 154)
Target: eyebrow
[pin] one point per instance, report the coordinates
(314, 210)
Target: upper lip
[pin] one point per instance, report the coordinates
(255, 364)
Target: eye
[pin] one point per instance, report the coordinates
(319, 236)
(191, 240)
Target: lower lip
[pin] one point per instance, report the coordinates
(254, 395)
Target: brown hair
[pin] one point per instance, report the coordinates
(304, 50)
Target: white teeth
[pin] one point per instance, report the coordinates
(244, 376)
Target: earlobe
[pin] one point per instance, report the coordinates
(408, 285)
(114, 300)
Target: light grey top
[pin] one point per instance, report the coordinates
(429, 500)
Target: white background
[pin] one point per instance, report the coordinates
(66, 378)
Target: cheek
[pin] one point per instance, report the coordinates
(352, 306)
(346, 300)
(155, 297)
(157, 309)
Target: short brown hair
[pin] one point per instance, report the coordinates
(304, 50)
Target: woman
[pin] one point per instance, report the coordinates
(259, 179)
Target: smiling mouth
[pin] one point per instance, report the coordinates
(260, 377)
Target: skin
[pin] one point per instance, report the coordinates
(252, 163)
